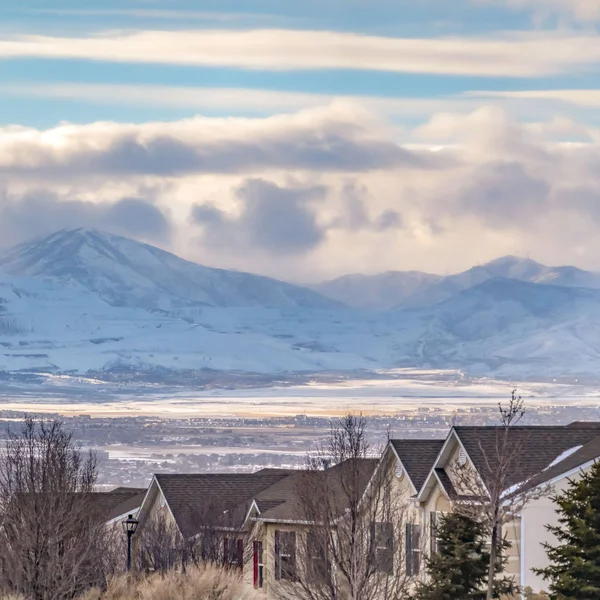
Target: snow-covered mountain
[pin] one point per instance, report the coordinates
(124, 272)
(501, 327)
(51, 326)
(515, 328)
(88, 303)
(407, 289)
(377, 292)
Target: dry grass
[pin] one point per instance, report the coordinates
(201, 583)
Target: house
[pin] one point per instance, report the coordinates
(266, 523)
(256, 522)
(116, 505)
(410, 462)
(209, 512)
(548, 456)
(288, 522)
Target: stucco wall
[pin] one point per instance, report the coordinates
(438, 502)
(273, 589)
(154, 509)
(512, 533)
(536, 515)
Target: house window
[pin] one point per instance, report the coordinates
(285, 555)
(413, 549)
(259, 565)
(434, 520)
(318, 564)
(383, 542)
(233, 552)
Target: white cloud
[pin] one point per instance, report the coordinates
(341, 137)
(242, 100)
(280, 49)
(365, 201)
(587, 98)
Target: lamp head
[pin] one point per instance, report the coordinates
(130, 525)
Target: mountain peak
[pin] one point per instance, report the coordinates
(511, 260)
(125, 272)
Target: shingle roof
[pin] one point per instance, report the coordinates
(418, 457)
(265, 505)
(588, 452)
(113, 504)
(286, 495)
(197, 500)
(446, 483)
(539, 446)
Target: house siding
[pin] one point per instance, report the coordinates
(274, 589)
(537, 515)
(437, 501)
(512, 533)
(154, 508)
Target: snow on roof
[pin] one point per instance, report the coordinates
(563, 456)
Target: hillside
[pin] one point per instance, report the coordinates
(124, 272)
(377, 292)
(86, 303)
(404, 289)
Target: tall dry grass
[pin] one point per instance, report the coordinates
(197, 583)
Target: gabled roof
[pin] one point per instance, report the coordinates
(417, 457)
(588, 453)
(118, 502)
(215, 499)
(283, 502)
(540, 446)
(446, 483)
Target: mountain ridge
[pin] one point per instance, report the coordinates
(96, 303)
(412, 289)
(125, 272)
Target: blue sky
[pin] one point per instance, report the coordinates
(379, 134)
(429, 19)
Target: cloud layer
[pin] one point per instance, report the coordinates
(316, 193)
(38, 213)
(278, 49)
(344, 138)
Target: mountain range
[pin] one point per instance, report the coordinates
(408, 289)
(124, 272)
(85, 302)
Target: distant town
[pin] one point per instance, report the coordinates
(131, 449)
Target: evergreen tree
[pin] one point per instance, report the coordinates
(459, 568)
(574, 570)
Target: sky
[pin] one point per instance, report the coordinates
(307, 140)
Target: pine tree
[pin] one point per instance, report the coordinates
(459, 568)
(574, 570)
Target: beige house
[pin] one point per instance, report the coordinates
(258, 522)
(254, 522)
(549, 457)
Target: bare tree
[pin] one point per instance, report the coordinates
(491, 495)
(157, 543)
(347, 439)
(350, 547)
(163, 547)
(52, 535)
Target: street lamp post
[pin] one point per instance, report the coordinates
(129, 526)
